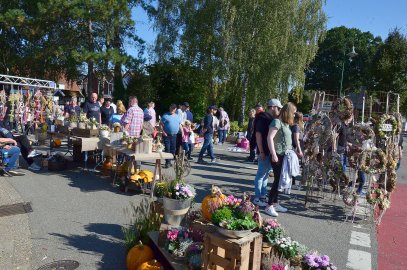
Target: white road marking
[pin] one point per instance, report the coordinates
(359, 260)
(360, 239)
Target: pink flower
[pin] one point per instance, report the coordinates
(172, 235)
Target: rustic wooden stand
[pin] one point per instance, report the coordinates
(232, 254)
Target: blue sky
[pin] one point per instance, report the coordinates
(375, 16)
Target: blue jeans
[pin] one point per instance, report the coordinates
(222, 135)
(207, 145)
(185, 146)
(12, 155)
(361, 175)
(262, 177)
(170, 143)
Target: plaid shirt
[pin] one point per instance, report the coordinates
(134, 117)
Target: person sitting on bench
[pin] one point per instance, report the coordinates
(25, 147)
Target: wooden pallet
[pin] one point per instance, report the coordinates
(221, 252)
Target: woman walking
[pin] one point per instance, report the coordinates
(279, 141)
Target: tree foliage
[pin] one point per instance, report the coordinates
(324, 73)
(248, 51)
(47, 39)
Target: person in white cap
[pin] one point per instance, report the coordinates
(263, 121)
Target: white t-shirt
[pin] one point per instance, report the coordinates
(191, 138)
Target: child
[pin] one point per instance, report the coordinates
(186, 136)
(191, 142)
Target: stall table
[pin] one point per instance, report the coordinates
(134, 157)
(91, 144)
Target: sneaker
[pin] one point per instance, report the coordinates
(16, 173)
(201, 161)
(34, 167)
(259, 202)
(279, 208)
(214, 160)
(34, 153)
(190, 158)
(167, 165)
(287, 191)
(271, 211)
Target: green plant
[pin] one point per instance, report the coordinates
(245, 223)
(234, 126)
(223, 213)
(159, 189)
(143, 219)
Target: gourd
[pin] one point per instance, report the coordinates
(150, 265)
(138, 255)
(108, 163)
(147, 176)
(57, 142)
(214, 200)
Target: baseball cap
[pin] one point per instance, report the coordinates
(186, 104)
(258, 105)
(213, 107)
(274, 103)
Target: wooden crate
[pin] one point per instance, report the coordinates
(85, 133)
(221, 252)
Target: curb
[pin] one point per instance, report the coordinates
(15, 233)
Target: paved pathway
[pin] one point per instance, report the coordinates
(79, 216)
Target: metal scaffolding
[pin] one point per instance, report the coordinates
(21, 81)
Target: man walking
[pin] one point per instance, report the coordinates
(133, 119)
(263, 121)
(208, 133)
(92, 108)
(171, 125)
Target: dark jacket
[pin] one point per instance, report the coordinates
(261, 124)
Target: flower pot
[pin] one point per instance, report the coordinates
(104, 133)
(175, 210)
(73, 124)
(82, 125)
(233, 233)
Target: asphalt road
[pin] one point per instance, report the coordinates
(78, 215)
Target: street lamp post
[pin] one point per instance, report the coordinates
(351, 55)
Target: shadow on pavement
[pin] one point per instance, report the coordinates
(102, 237)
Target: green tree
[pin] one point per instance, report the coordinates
(247, 50)
(390, 65)
(324, 73)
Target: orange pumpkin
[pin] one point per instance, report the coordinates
(108, 163)
(215, 198)
(57, 142)
(138, 255)
(150, 265)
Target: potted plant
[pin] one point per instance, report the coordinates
(92, 123)
(73, 121)
(314, 261)
(290, 249)
(104, 131)
(178, 242)
(234, 218)
(271, 231)
(178, 196)
(177, 201)
(82, 120)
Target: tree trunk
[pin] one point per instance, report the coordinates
(90, 61)
(244, 98)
